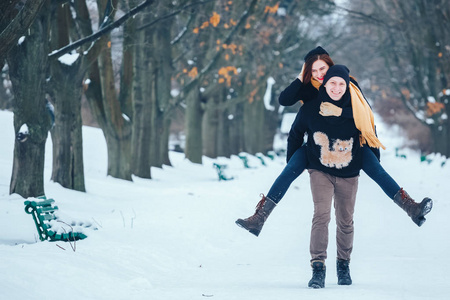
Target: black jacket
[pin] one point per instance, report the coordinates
(297, 91)
(333, 142)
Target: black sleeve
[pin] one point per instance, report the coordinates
(376, 151)
(297, 91)
(296, 135)
(347, 112)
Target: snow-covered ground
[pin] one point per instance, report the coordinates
(174, 236)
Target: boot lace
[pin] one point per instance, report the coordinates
(407, 199)
(258, 208)
(410, 206)
(261, 202)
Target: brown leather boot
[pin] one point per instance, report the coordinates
(255, 223)
(416, 211)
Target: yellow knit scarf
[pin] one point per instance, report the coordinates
(363, 116)
(315, 83)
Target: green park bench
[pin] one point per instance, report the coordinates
(260, 156)
(220, 171)
(271, 155)
(398, 154)
(43, 213)
(244, 159)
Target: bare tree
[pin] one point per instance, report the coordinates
(412, 39)
(27, 61)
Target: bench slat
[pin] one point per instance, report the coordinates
(47, 209)
(47, 217)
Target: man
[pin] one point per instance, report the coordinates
(334, 156)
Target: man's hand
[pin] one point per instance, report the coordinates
(328, 109)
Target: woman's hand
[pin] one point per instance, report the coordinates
(300, 76)
(328, 109)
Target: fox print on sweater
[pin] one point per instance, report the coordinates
(340, 154)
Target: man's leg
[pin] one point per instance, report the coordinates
(322, 188)
(344, 204)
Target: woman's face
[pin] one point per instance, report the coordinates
(336, 87)
(319, 69)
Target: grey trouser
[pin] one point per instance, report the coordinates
(323, 188)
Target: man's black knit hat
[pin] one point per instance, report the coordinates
(316, 51)
(337, 70)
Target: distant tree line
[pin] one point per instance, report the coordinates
(212, 59)
(402, 50)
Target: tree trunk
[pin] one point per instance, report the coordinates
(216, 126)
(165, 159)
(142, 108)
(27, 69)
(194, 116)
(236, 129)
(67, 137)
(253, 125)
(162, 64)
(271, 119)
(105, 107)
(119, 150)
(223, 143)
(66, 85)
(210, 128)
(118, 131)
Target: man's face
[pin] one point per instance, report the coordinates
(336, 87)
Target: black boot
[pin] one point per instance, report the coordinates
(416, 211)
(318, 277)
(255, 223)
(343, 272)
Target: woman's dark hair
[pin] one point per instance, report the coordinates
(307, 73)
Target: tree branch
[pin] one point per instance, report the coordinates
(173, 13)
(19, 25)
(361, 15)
(215, 59)
(101, 32)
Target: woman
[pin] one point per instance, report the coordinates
(305, 88)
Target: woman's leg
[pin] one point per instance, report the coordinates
(293, 169)
(374, 170)
(296, 165)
